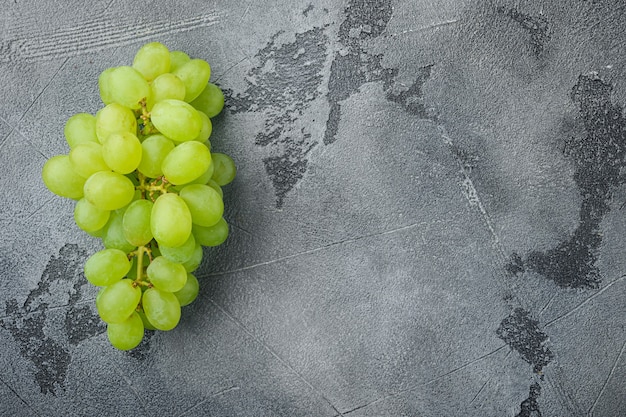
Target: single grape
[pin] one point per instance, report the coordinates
(194, 262)
(189, 292)
(216, 187)
(225, 170)
(166, 86)
(127, 87)
(80, 128)
(170, 220)
(106, 267)
(136, 222)
(60, 178)
(127, 334)
(210, 101)
(186, 162)
(114, 233)
(205, 204)
(195, 75)
(116, 302)
(109, 190)
(86, 159)
(207, 128)
(144, 319)
(211, 236)
(89, 217)
(104, 86)
(114, 118)
(162, 308)
(166, 275)
(176, 120)
(180, 253)
(178, 59)
(154, 150)
(122, 152)
(152, 60)
(202, 179)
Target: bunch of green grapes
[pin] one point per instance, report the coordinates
(146, 183)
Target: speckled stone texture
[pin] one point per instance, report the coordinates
(427, 219)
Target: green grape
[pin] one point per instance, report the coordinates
(162, 308)
(154, 150)
(216, 187)
(170, 220)
(152, 60)
(178, 59)
(180, 253)
(126, 86)
(166, 86)
(136, 222)
(106, 267)
(210, 101)
(104, 87)
(189, 292)
(166, 275)
(114, 234)
(186, 162)
(122, 152)
(225, 169)
(116, 302)
(205, 204)
(127, 334)
(202, 179)
(195, 75)
(146, 322)
(207, 128)
(176, 120)
(86, 159)
(211, 236)
(80, 128)
(194, 262)
(89, 217)
(60, 178)
(109, 190)
(114, 118)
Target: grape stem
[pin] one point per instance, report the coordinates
(160, 184)
(140, 274)
(147, 128)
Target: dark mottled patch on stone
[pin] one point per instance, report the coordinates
(142, 351)
(411, 98)
(537, 26)
(308, 9)
(530, 406)
(599, 161)
(516, 264)
(286, 80)
(522, 333)
(27, 322)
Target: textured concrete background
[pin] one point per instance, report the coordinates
(428, 218)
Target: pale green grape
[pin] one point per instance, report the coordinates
(194, 262)
(170, 220)
(176, 120)
(86, 159)
(205, 204)
(144, 319)
(60, 178)
(225, 169)
(207, 128)
(166, 86)
(166, 275)
(109, 190)
(210, 101)
(89, 217)
(186, 162)
(104, 86)
(106, 267)
(114, 118)
(162, 308)
(204, 178)
(126, 86)
(116, 302)
(180, 253)
(178, 59)
(216, 187)
(189, 292)
(127, 334)
(152, 60)
(154, 150)
(136, 222)
(195, 75)
(211, 236)
(80, 128)
(114, 233)
(122, 152)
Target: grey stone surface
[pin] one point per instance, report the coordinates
(427, 219)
